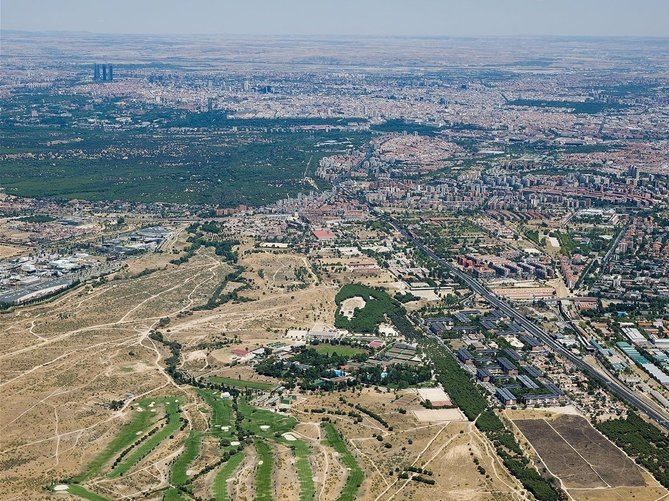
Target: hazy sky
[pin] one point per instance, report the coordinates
(357, 17)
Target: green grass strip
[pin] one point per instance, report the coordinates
(78, 490)
(140, 422)
(253, 418)
(242, 383)
(264, 471)
(355, 474)
(221, 413)
(346, 351)
(302, 452)
(180, 466)
(221, 481)
(173, 423)
(172, 494)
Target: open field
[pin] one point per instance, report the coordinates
(346, 351)
(448, 449)
(65, 361)
(8, 251)
(578, 454)
(588, 465)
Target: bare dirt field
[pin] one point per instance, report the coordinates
(7, 251)
(588, 465)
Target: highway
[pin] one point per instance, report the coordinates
(614, 387)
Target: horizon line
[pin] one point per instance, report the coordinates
(340, 35)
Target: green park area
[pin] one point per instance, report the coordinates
(339, 349)
(366, 319)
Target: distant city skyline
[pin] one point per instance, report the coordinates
(344, 17)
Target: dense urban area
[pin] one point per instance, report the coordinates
(333, 268)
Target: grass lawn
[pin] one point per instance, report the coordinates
(242, 383)
(172, 495)
(367, 319)
(253, 418)
(264, 471)
(180, 466)
(79, 491)
(339, 349)
(355, 475)
(221, 481)
(302, 452)
(221, 413)
(140, 422)
(173, 423)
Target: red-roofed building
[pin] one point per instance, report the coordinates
(324, 235)
(240, 352)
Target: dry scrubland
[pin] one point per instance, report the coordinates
(64, 360)
(449, 450)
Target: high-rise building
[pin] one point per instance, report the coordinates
(110, 72)
(96, 72)
(104, 72)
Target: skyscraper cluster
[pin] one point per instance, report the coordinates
(103, 73)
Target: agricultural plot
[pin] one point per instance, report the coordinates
(614, 467)
(578, 454)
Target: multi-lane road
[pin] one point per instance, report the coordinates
(609, 383)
